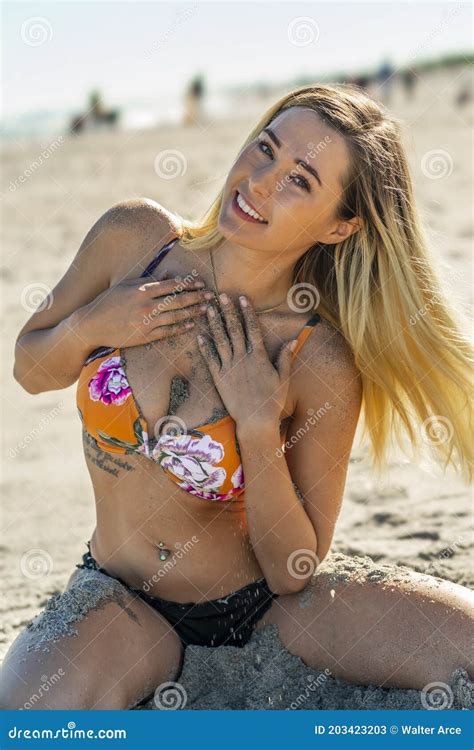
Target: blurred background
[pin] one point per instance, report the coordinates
(105, 101)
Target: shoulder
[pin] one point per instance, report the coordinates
(327, 366)
(135, 229)
(141, 214)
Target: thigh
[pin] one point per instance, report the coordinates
(95, 646)
(382, 625)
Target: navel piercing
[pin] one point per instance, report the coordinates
(164, 553)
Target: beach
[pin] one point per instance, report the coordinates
(414, 516)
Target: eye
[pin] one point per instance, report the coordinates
(303, 183)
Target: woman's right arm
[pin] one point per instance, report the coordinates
(82, 312)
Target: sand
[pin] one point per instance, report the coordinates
(414, 516)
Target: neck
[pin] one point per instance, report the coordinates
(242, 270)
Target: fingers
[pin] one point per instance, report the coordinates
(164, 332)
(251, 325)
(233, 325)
(219, 334)
(160, 317)
(170, 286)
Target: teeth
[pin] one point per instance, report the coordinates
(247, 209)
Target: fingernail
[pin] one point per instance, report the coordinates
(178, 278)
(199, 284)
(243, 301)
(203, 307)
(224, 298)
(189, 324)
(208, 295)
(200, 339)
(211, 311)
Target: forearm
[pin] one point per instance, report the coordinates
(50, 359)
(277, 522)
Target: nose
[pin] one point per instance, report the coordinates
(258, 187)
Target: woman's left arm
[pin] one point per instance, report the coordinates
(289, 539)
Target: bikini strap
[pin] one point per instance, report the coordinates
(305, 332)
(159, 257)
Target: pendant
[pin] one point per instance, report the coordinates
(164, 553)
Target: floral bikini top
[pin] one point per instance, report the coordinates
(205, 461)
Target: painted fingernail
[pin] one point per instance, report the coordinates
(243, 301)
(203, 307)
(199, 284)
(200, 339)
(189, 324)
(223, 298)
(211, 311)
(208, 295)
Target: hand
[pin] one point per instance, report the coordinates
(137, 311)
(251, 388)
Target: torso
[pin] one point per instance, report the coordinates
(137, 504)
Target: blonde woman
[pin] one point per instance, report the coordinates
(202, 518)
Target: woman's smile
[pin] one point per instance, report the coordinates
(245, 211)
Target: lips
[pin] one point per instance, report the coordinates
(241, 213)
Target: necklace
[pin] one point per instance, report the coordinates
(258, 312)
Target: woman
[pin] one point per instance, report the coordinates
(317, 217)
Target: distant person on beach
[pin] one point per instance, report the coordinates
(221, 368)
(96, 116)
(385, 78)
(193, 102)
(408, 80)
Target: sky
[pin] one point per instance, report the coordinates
(54, 53)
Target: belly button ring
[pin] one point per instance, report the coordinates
(164, 553)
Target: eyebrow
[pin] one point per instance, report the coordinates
(306, 166)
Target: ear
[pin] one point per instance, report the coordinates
(342, 231)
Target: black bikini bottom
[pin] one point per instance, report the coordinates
(228, 621)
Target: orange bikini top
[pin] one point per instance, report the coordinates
(204, 461)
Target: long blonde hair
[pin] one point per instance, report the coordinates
(381, 287)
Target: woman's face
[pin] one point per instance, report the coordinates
(293, 180)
